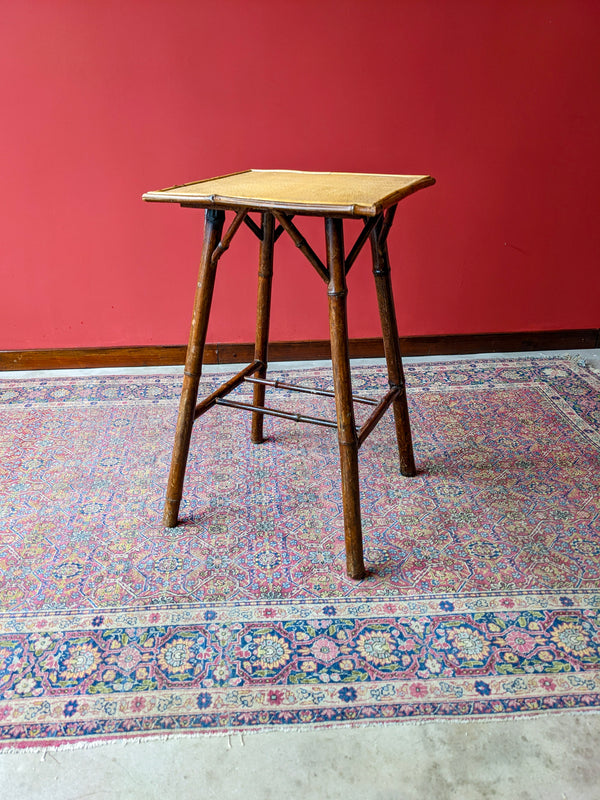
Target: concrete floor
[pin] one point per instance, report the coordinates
(549, 757)
(554, 757)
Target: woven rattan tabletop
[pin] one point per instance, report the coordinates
(321, 193)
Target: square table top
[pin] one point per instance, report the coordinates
(315, 193)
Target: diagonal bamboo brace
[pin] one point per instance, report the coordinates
(302, 244)
(377, 414)
(226, 388)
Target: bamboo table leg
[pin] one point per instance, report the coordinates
(391, 344)
(193, 365)
(347, 438)
(265, 276)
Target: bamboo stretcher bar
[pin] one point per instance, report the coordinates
(293, 387)
(377, 414)
(274, 412)
(227, 387)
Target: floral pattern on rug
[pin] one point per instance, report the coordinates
(483, 592)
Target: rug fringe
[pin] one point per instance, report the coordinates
(230, 736)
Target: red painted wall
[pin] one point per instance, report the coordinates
(100, 101)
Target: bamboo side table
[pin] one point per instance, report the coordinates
(278, 196)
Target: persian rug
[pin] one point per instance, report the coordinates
(483, 592)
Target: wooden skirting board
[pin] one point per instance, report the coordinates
(153, 355)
